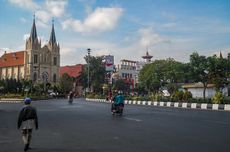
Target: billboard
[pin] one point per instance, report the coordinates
(109, 63)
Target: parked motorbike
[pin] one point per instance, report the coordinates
(117, 109)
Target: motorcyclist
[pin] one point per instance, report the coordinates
(71, 97)
(119, 99)
(114, 100)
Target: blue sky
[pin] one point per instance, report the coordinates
(123, 28)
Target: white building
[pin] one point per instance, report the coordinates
(197, 90)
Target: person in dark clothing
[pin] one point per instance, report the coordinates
(113, 100)
(27, 120)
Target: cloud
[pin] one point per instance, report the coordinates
(102, 19)
(23, 20)
(168, 15)
(26, 36)
(56, 7)
(43, 16)
(27, 4)
(45, 11)
(148, 37)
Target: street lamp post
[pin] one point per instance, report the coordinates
(88, 50)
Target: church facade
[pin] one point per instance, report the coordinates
(38, 63)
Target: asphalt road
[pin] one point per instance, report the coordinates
(90, 127)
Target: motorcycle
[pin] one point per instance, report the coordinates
(70, 100)
(70, 97)
(117, 109)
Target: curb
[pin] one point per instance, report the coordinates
(203, 106)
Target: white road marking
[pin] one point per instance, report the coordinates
(133, 119)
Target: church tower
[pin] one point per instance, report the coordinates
(33, 47)
(42, 64)
(54, 48)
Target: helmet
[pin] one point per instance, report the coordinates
(119, 92)
(27, 100)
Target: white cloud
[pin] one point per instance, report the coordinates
(56, 7)
(43, 16)
(26, 36)
(27, 4)
(102, 19)
(43, 12)
(148, 37)
(23, 20)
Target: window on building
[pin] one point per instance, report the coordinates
(54, 78)
(55, 60)
(35, 58)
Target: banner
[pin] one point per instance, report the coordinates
(109, 63)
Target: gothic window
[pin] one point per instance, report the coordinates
(54, 78)
(35, 58)
(45, 58)
(55, 60)
(35, 77)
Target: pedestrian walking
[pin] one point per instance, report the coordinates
(27, 120)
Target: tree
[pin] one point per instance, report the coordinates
(162, 72)
(219, 71)
(119, 85)
(200, 70)
(66, 83)
(97, 73)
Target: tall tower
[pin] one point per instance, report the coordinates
(147, 57)
(54, 48)
(32, 42)
(33, 47)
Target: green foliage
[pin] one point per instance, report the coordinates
(218, 98)
(187, 95)
(226, 100)
(95, 96)
(178, 96)
(119, 85)
(160, 73)
(66, 83)
(12, 95)
(96, 73)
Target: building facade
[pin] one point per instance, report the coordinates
(36, 63)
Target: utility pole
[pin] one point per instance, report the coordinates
(88, 50)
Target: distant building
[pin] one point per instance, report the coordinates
(197, 90)
(127, 71)
(74, 71)
(36, 63)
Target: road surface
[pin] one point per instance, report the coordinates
(90, 127)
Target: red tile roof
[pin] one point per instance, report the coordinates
(12, 59)
(73, 71)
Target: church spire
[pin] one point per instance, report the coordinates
(33, 33)
(52, 40)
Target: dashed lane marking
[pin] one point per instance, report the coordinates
(133, 119)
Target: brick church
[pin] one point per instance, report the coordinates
(37, 63)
